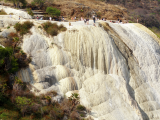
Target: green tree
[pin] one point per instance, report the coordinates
(7, 61)
(53, 11)
(40, 2)
(30, 12)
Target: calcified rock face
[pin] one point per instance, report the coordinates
(115, 68)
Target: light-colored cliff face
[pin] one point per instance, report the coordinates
(115, 70)
(16, 13)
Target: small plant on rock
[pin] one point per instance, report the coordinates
(81, 108)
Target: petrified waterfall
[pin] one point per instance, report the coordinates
(114, 67)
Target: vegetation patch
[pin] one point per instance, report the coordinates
(54, 12)
(30, 12)
(8, 27)
(23, 28)
(155, 30)
(81, 107)
(12, 57)
(53, 29)
(2, 12)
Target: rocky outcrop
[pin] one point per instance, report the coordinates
(114, 67)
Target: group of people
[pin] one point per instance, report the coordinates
(86, 21)
(50, 18)
(124, 21)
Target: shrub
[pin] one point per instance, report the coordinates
(52, 32)
(47, 25)
(8, 27)
(39, 27)
(12, 35)
(48, 98)
(130, 21)
(74, 116)
(24, 27)
(99, 15)
(33, 4)
(52, 28)
(66, 106)
(47, 109)
(18, 81)
(80, 107)
(150, 21)
(9, 65)
(40, 2)
(53, 11)
(23, 101)
(56, 113)
(62, 28)
(30, 12)
(2, 12)
(17, 26)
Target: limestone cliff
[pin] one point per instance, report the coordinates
(115, 68)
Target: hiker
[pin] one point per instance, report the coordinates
(88, 21)
(85, 21)
(50, 18)
(69, 23)
(19, 18)
(75, 19)
(118, 20)
(94, 19)
(81, 18)
(137, 20)
(10, 16)
(63, 19)
(37, 17)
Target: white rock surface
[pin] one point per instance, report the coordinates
(17, 13)
(116, 71)
(6, 32)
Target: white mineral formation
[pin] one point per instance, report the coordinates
(15, 12)
(114, 67)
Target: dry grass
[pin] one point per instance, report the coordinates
(2, 12)
(84, 8)
(53, 29)
(155, 31)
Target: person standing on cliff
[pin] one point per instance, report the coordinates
(75, 19)
(137, 20)
(84, 21)
(94, 19)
